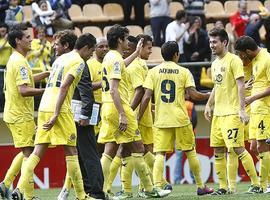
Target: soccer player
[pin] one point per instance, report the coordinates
(259, 100)
(229, 117)
(56, 125)
(115, 98)
(19, 105)
(168, 82)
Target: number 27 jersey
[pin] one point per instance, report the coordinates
(69, 63)
(168, 82)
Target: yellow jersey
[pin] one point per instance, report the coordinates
(261, 73)
(168, 82)
(5, 51)
(42, 61)
(68, 64)
(137, 71)
(224, 72)
(248, 76)
(113, 67)
(95, 69)
(18, 108)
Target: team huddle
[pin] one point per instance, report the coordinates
(135, 139)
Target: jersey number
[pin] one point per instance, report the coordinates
(165, 84)
(58, 80)
(230, 132)
(261, 125)
(104, 78)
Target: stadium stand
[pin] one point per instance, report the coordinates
(76, 15)
(94, 13)
(174, 7)
(215, 10)
(155, 56)
(27, 11)
(94, 30)
(113, 11)
(134, 30)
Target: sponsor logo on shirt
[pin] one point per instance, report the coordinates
(116, 68)
(80, 68)
(24, 73)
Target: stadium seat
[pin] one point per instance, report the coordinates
(267, 4)
(113, 11)
(135, 30)
(253, 5)
(174, 7)
(209, 26)
(27, 11)
(75, 13)
(148, 30)
(105, 30)
(215, 10)
(94, 13)
(132, 15)
(155, 56)
(31, 31)
(94, 30)
(77, 31)
(147, 11)
(230, 7)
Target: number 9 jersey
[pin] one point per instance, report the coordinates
(69, 63)
(168, 82)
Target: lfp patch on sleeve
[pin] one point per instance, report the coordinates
(116, 68)
(24, 73)
(80, 68)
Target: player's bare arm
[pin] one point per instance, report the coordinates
(145, 101)
(209, 105)
(96, 85)
(196, 95)
(60, 100)
(250, 99)
(139, 91)
(241, 92)
(27, 91)
(117, 102)
(40, 76)
(135, 54)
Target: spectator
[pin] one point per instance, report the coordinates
(14, 15)
(3, 8)
(253, 27)
(37, 12)
(139, 11)
(196, 8)
(62, 20)
(159, 19)
(5, 52)
(240, 19)
(196, 48)
(177, 31)
(39, 57)
(265, 14)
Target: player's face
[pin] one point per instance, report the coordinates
(125, 42)
(88, 52)
(131, 48)
(101, 49)
(59, 49)
(244, 57)
(3, 32)
(146, 50)
(217, 46)
(26, 40)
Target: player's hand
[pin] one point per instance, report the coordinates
(208, 113)
(84, 122)
(49, 124)
(139, 45)
(248, 100)
(243, 117)
(122, 122)
(248, 84)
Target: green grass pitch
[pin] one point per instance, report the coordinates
(185, 191)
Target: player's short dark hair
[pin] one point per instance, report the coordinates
(146, 38)
(116, 32)
(132, 40)
(4, 25)
(66, 37)
(180, 14)
(169, 49)
(221, 33)
(86, 39)
(245, 43)
(16, 32)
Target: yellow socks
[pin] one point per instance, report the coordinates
(141, 169)
(220, 165)
(115, 165)
(158, 170)
(249, 167)
(126, 174)
(68, 182)
(264, 169)
(26, 183)
(149, 159)
(232, 169)
(106, 161)
(14, 169)
(195, 167)
(74, 171)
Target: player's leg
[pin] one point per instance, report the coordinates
(217, 142)
(232, 169)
